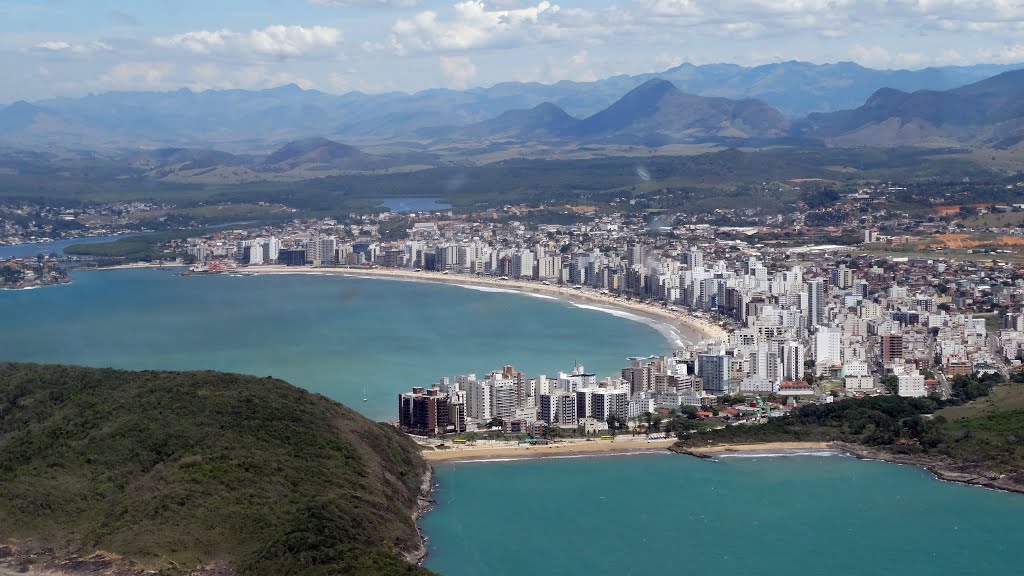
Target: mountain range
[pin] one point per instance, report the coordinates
(761, 101)
(989, 112)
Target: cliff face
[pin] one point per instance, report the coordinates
(183, 471)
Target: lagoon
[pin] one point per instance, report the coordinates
(414, 204)
(30, 250)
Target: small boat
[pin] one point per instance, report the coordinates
(364, 393)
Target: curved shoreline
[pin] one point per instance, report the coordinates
(675, 326)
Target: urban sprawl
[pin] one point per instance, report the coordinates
(784, 322)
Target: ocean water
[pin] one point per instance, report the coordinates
(668, 514)
(329, 334)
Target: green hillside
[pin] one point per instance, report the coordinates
(175, 469)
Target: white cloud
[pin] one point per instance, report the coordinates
(831, 18)
(474, 24)
(277, 40)
(457, 70)
(139, 75)
(61, 46)
(53, 46)
(1009, 54)
(880, 57)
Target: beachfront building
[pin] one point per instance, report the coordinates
(430, 412)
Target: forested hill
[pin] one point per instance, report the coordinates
(168, 471)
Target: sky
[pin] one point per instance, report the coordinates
(58, 48)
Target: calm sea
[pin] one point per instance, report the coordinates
(666, 514)
(333, 335)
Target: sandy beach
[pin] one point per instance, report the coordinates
(761, 447)
(678, 326)
(621, 445)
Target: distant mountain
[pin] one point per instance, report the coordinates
(542, 122)
(309, 157)
(988, 112)
(657, 107)
(655, 112)
(800, 88)
(318, 154)
(242, 120)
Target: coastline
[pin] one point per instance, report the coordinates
(674, 325)
(941, 468)
(424, 502)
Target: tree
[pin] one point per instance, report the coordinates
(615, 423)
(656, 423)
(891, 383)
(684, 426)
(689, 412)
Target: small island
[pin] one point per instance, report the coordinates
(202, 473)
(35, 273)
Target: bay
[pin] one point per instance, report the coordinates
(329, 334)
(661, 513)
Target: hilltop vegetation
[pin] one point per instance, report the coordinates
(171, 470)
(978, 435)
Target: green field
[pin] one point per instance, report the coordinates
(1006, 397)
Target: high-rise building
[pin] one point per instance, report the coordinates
(714, 370)
(842, 277)
(322, 250)
(425, 412)
(694, 259)
(792, 356)
(815, 302)
(558, 408)
(892, 347)
(605, 403)
(827, 349)
(522, 264)
(911, 385)
(478, 400)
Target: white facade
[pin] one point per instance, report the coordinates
(827, 349)
(911, 385)
(478, 400)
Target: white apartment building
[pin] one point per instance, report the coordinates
(827, 349)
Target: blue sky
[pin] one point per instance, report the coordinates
(52, 48)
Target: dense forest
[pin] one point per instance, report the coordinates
(170, 470)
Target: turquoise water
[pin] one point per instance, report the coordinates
(666, 514)
(328, 334)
